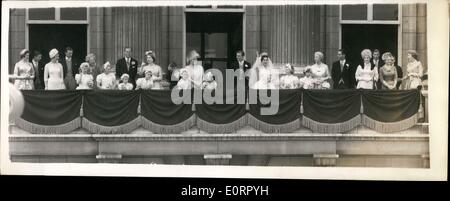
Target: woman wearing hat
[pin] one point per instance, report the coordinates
(414, 71)
(53, 73)
(366, 73)
(194, 70)
(149, 65)
(24, 72)
(106, 80)
(388, 72)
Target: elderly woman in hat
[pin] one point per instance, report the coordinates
(106, 80)
(414, 71)
(24, 71)
(84, 79)
(388, 72)
(320, 72)
(53, 72)
(125, 85)
(366, 73)
(149, 65)
(194, 69)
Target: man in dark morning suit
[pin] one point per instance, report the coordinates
(127, 65)
(69, 63)
(378, 63)
(38, 69)
(240, 63)
(342, 73)
(70, 68)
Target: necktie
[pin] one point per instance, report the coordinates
(342, 66)
(128, 64)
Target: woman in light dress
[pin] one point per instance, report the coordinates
(194, 70)
(145, 82)
(53, 72)
(262, 75)
(320, 72)
(414, 71)
(366, 73)
(84, 79)
(149, 65)
(24, 72)
(289, 81)
(94, 70)
(125, 85)
(106, 80)
(388, 72)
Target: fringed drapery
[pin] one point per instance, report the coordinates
(55, 112)
(331, 111)
(110, 111)
(390, 111)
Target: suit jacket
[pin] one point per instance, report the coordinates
(235, 65)
(121, 68)
(75, 67)
(347, 75)
(39, 75)
(380, 63)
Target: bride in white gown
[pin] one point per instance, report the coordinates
(262, 74)
(53, 73)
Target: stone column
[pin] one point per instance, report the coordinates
(217, 159)
(325, 160)
(425, 160)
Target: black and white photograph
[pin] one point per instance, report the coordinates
(289, 89)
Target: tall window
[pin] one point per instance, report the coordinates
(56, 15)
(370, 13)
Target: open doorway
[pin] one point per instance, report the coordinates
(44, 37)
(216, 36)
(356, 37)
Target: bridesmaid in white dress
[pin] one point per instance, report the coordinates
(289, 81)
(106, 80)
(367, 73)
(53, 73)
(262, 75)
(125, 85)
(320, 72)
(145, 82)
(149, 65)
(24, 72)
(184, 82)
(414, 71)
(84, 79)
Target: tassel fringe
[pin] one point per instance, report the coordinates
(100, 129)
(43, 129)
(389, 127)
(222, 128)
(273, 128)
(318, 127)
(168, 129)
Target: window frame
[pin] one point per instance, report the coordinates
(57, 19)
(370, 19)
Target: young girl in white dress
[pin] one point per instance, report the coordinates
(209, 83)
(84, 79)
(289, 81)
(125, 85)
(307, 82)
(184, 82)
(145, 82)
(53, 72)
(106, 80)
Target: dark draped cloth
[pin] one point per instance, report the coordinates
(287, 119)
(161, 115)
(50, 111)
(331, 111)
(110, 111)
(390, 110)
(221, 117)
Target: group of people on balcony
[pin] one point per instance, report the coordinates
(64, 73)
